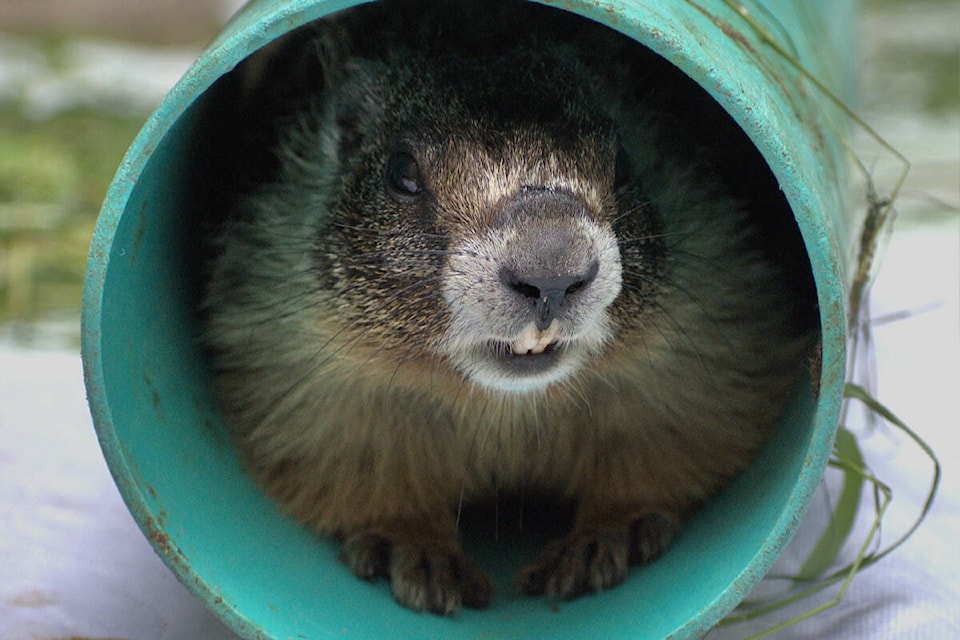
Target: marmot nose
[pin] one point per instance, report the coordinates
(547, 294)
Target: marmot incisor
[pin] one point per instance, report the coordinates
(488, 260)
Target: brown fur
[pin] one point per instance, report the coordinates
(343, 318)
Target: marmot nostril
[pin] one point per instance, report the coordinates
(548, 293)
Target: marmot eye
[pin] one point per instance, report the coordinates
(403, 174)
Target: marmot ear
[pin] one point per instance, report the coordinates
(266, 91)
(278, 78)
(359, 103)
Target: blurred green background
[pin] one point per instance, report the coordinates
(79, 77)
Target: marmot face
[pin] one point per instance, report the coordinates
(481, 229)
(528, 299)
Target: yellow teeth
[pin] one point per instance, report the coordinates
(533, 341)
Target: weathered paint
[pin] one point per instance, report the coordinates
(268, 578)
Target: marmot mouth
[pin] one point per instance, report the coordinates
(525, 362)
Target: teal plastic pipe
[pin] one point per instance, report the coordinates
(265, 576)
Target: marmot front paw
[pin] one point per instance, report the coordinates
(423, 576)
(594, 559)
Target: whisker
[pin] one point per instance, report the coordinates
(677, 329)
(631, 241)
(328, 355)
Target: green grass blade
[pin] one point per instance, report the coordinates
(828, 547)
(856, 392)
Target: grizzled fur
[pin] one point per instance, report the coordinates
(486, 260)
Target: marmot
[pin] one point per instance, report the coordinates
(486, 257)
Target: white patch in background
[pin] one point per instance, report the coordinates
(105, 75)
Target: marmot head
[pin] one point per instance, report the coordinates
(473, 212)
(475, 208)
